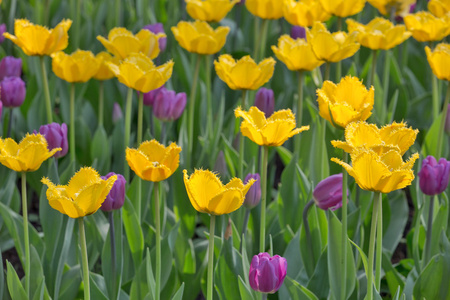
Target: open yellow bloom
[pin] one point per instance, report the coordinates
(82, 196)
(138, 72)
(121, 42)
(199, 37)
(273, 131)
(152, 161)
(346, 102)
(331, 47)
(439, 60)
(209, 195)
(343, 8)
(395, 136)
(400, 7)
(104, 72)
(39, 40)
(380, 173)
(296, 54)
(265, 9)
(209, 10)
(28, 155)
(304, 13)
(379, 33)
(244, 74)
(79, 66)
(439, 8)
(427, 28)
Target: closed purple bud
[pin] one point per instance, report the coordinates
(10, 66)
(117, 112)
(221, 165)
(328, 192)
(12, 91)
(447, 121)
(265, 101)
(433, 176)
(298, 32)
(267, 273)
(56, 136)
(253, 195)
(2, 31)
(149, 98)
(169, 105)
(158, 28)
(116, 196)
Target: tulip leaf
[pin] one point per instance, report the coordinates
(297, 291)
(291, 201)
(70, 283)
(100, 151)
(37, 274)
(246, 293)
(319, 282)
(40, 291)
(97, 287)
(393, 277)
(67, 239)
(395, 224)
(134, 232)
(139, 286)
(2, 282)
(439, 225)
(228, 267)
(429, 147)
(15, 287)
(179, 294)
(150, 277)
(433, 281)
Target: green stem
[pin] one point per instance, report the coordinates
(209, 117)
(244, 227)
(299, 111)
(327, 71)
(140, 117)
(386, 74)
(306, 209)
(113, 251)
(442, 125)
(427, 251)
(84, 258)
(72, 126)
(262, 237)
(371, 79)
(435, 96)
(262, 46)
(158, 243)
(379, 251)
(242, 141)
(211, 259)
(257, 37)
(192, 114)
(373, 230)
(344, 229)
(101, 96)
(48, 102)
(128, 107)
(25, 233)
(10, 122)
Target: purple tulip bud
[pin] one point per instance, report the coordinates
(158, 28)
(265, 101)
(267, 273)
(149, 98)
(298, 32)
(117, 112)
(116, 196)
(2, 30)
(433, 176)
(328, 192)
(169, 105)
(221, 165)
(56, 136)
(12, 91)
(10, 66)
(447, 121)
(254, 193)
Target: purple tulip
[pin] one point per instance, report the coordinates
(265, 101)
(328, 192)
(253, 195)
(12, 91)
(117, 112)
(116, 196)
(267, 273)
(149, 98)
(2, 30)
(220, 165)
(447, 121)
(433, 176)
(1, 109)
(298, 32)
(56, 136)
(169, 105)
(158, 28)
(10, 67)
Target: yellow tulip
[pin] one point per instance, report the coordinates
(265, 9)
(385, 7)
(439, 60)
(346, 102)
(152, 161)
(273, 131)
(104, 73)
(296, 54)
(79, 66)
(395, 136)
(379, 33)
(82, 196)
(343, 8)
(380, 173)
(209, 10)
(244, 74)
(199, 37)
(209, 195)
(304, 13)
(28, 155)
(121, 42)
(427, 28)
(138, 72)
(39, 40)
(331, 47)
(439, 8)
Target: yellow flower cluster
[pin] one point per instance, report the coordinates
(209, 10)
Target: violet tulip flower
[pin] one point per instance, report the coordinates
(10, 67)
(2, 31)
(149, 98)
(328, 193)
(298, 32)
(253, 196)
(265, 101)
(12, 91)
(434, 176)
(267, 273)
(56, 136)
(168, 105)
(116, 196)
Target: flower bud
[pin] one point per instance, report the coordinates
(117, 113)
(12, 91)
(10, 66)
(267, 273)
(220, 165)
(328, 192)
(169, 105)
(434, 176)
(56, 136)
(253, 195)
(298, 32)
(2, 30)
(447, 121)
(116, 196)
(158, 28)
(149, 98)
(265, 102)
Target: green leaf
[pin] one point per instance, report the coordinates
(433, 281)
(97, 287)
(100, 150)
(134, 232)
(36, 275)
(150, 277)
(394, 279)
(2, 279)
(226, 271)
(67, 239)
(15, 287)
(319, 282)
(430, 144)
(70, 283)
(246, 293)
(179, 294)
(297, 291)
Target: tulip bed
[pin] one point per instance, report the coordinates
(202, 149)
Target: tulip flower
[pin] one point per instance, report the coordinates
(343, 8)
(398, 7)
(439, 59)
(56, 136)
(80, 66)
(265, 9)
(265, 101)
(10, 67)
(434, 176)
(298, 32)
(116, 197)
(253, 196)
(2, 31)
(328, 193)
(149, 98)
(168, 105)
(267, 273)
(156, 29)
(304, 13)
(209, 10)
(104, 72)
(427, 28)
(12, 91)
(439, 8)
